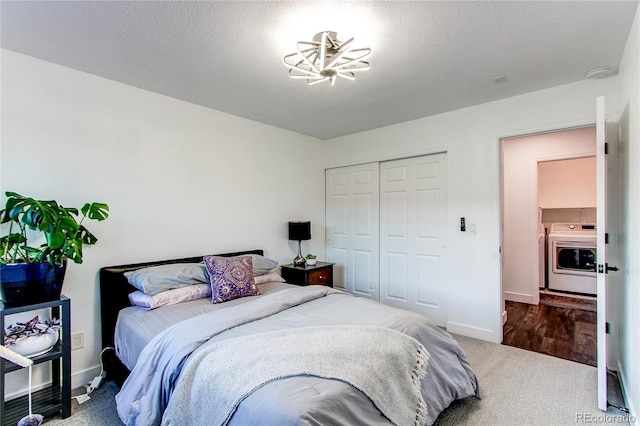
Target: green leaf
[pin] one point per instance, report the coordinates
(86, 236)
(55, 239)
(34, 218)
(68, 211)
(4, 216)
(37, 252)
(95, 211)
(69, 225)
(14, 238)
(74, 251)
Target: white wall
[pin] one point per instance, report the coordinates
(520, 158)
(567, 183)
(471, 138)
(180, 179)
(629, 159)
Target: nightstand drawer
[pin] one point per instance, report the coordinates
(319, 274)
(322, 276)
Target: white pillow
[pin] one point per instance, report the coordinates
(261, 265)
(170, 297)
(269, 277)
(156, 279)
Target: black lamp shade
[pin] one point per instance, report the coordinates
(299, 231)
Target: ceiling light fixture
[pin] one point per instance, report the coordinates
(326, 58)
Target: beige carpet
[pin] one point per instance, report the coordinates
(518, 387)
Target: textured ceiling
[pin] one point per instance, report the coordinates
(428, 57)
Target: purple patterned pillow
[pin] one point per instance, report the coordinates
(231, 277)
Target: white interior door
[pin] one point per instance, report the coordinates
(352, 215)
(413, 203)
(601, 251)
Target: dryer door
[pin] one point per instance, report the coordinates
(575, 259)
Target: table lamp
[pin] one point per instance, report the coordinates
(299, 231)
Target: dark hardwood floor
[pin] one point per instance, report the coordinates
(568, 333)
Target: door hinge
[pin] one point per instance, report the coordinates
(600, 268)
(606, 148)
(606, 238)
(608, 328)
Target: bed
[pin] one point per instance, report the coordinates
(291, 355)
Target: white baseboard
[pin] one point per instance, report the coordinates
(629, 403)
(470, 331)
(23, 392)
(518, 297)
(82, 378)
(78, 379)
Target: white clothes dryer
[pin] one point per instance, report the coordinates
(572, 258)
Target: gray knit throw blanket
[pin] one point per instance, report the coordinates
(384, 364)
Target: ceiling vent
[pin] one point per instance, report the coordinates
(599, 73)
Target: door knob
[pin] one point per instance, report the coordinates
(606, 268)
(612, 268)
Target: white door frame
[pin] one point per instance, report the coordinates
(500, 315)
(606, 141)
(531, 294)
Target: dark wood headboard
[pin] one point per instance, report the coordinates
(115, 289)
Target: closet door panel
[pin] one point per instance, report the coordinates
(428, 213)
(429, 277)
(395, 214)
(339, 256)
(363, 206)
(353, 217)
(362, 271)
(413, 214)
(396, 276)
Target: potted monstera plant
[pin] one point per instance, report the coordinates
(31, 274)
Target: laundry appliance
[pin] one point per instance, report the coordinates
(572, 258)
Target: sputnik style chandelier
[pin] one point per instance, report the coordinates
(326, 58)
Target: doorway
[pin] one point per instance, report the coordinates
(548, 179)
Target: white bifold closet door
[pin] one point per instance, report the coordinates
(386, 232)
(352, 216)
(413, 214)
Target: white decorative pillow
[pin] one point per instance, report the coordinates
(269, 277)
(170, 297)
(156, 279)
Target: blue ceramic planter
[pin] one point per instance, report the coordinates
(29, 283)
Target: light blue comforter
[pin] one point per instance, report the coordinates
(145, 394)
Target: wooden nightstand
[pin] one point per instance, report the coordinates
(319, 274)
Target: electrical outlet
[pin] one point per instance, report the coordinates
(77, 340)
